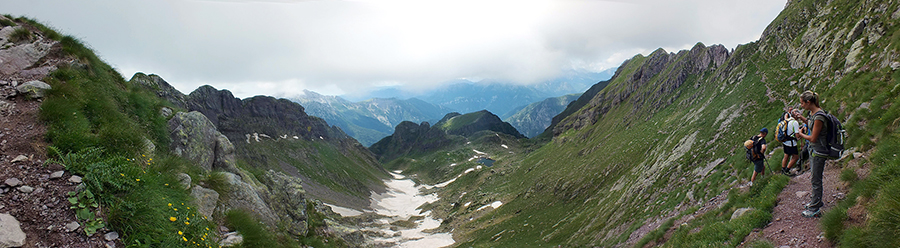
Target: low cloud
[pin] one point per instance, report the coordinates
(280, 48)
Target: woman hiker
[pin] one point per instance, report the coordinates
(817, 142)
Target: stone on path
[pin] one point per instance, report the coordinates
(57, 174)
(72, 226)
(11, 234)
(110, 236)
(19, 158)
(801, 194)
(26, 189)
(75, 179)
(33, 89)
(13, 182)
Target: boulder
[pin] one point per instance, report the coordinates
(287, 198)
(224, 154)
(33, 89)
(740, 212)
(205, 200)
(193, 138)
(247, 197)
(19, 57)
(184, 180)
(11, 234)
(231, 239)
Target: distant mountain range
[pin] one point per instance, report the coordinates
(370, 120)
(532, 119)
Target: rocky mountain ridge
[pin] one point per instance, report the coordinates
(417, 139)
(247, 121)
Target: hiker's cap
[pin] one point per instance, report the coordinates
(764, 130)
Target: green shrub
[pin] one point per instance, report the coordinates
(6, 23)
(833, 222)
(848, 175)
(20, 35)
(253, 232)
(885, 216)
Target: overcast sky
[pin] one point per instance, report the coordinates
(280, 47)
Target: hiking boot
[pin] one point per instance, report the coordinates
(813, 205)
(787, 172)
(812, 213)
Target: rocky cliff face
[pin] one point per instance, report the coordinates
(288, 131)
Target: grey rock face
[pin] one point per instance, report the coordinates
(287, 198)
(205, 200)
(247, 197)
(193, 137)
(22, 56)
(11, 234)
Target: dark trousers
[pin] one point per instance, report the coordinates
(817, 166)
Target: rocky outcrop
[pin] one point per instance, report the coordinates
(248, 197)
(288, 199)
(205, 200)
(278, 199)
(195, 138)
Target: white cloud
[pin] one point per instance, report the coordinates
(336, 47)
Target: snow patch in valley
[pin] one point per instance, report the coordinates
(493, 205)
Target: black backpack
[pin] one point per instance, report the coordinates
(753, 153)
(835, 137)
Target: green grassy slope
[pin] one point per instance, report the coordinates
(664, 137)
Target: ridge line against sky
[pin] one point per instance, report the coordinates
(281, 47)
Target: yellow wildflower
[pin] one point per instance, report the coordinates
(185, 239)
(137, 179)
(172, 219)
(180, 233)
(170, 204)
(123, 174)
(187, 223)
(176, 209)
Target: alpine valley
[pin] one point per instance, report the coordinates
(651, 156)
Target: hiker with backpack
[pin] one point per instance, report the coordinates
(756, 148)
(784, 133)
(822, 138)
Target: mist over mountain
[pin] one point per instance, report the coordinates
(370, 120)
(374, 116)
